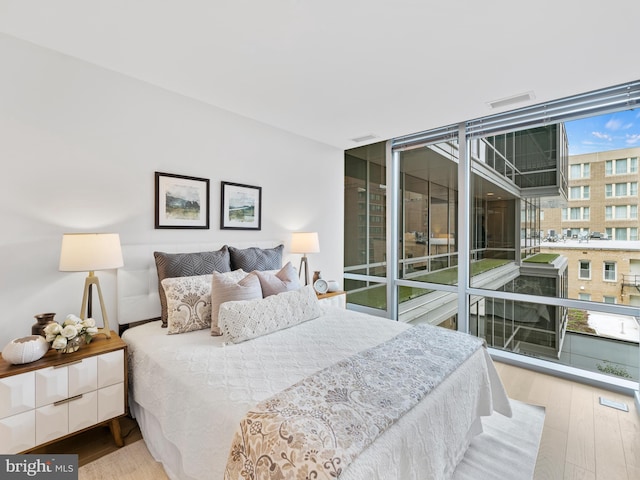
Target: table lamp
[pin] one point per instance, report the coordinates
(304, 242)
(88, 252)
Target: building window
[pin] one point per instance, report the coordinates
(621, 233)
(621, 189)
(621, 212)
(579, 170)
(585, 270)
(574, 193)
(564, 214)
(633, 233)
(608, 190)
(623, 166)
(608, 231)
(608, 212)
(607, 299)
(575, 213)
(610, 271)
(578, 193)
(633, 212)
(584, 296)
(585, 213)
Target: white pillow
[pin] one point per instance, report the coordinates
(226, 287)
(284, 280)
(247, 319)
(188, 303)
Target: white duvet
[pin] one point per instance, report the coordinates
(190, 391)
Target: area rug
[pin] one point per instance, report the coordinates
(506, 450)
(508, 447)
(133, 462)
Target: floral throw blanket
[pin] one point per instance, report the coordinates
(315, 428)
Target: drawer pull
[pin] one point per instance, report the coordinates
(64, 365)
(67, 400)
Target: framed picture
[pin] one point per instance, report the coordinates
(181, 202)
(240, 207)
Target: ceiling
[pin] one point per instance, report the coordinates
(334, 70)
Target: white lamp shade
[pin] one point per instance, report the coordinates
(85, 252)
(305, 242)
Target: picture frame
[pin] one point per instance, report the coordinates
(181, 201)
(240, 207)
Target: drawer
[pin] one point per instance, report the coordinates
(17, 433)
(17, 394)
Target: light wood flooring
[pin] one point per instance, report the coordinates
(581, 438)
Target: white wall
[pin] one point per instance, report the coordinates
(79, 146)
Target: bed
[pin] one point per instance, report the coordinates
(192, 391)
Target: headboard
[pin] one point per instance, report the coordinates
(137, 280)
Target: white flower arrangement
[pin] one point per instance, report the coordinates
(72, 327)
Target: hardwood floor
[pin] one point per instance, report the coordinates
(94, 443)
(581, 438)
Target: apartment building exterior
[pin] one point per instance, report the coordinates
(602, 197)
(597, 227)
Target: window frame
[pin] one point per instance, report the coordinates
(605, 270)
(588, 269)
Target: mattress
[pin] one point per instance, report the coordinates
(189, 393)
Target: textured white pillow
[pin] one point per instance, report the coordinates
(225, 287)
(284, 280)
(244, 320)
(188, 303)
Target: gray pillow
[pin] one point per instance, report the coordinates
(253, 258)
(171, 265)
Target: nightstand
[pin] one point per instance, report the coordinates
(335, 299)
(63, 394)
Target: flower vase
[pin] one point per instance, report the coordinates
(43, 319)
(73, 345)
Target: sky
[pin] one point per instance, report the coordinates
(604, 132)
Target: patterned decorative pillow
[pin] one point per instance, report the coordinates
(226, 287)
(171, 265)
(253, 258)
(244, 320)
(282, 281)
(188, 303)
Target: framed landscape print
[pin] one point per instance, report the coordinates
(240, 207)
(181, 202)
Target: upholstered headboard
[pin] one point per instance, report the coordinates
(137, 280)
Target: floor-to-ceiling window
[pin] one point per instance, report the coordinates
(365, 235)
(524, 289)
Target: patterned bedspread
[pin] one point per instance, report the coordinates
(316, 427)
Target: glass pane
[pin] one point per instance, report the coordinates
(522, 327)
(367, 294)
(428, 214)
(365, 210)
(421, 305)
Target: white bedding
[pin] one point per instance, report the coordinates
(190, 391)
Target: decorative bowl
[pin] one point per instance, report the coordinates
(25, 349)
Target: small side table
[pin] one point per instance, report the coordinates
(335, 299)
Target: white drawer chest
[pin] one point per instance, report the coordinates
(63, 394)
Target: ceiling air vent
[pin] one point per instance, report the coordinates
(364, 138)
(508, 101)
